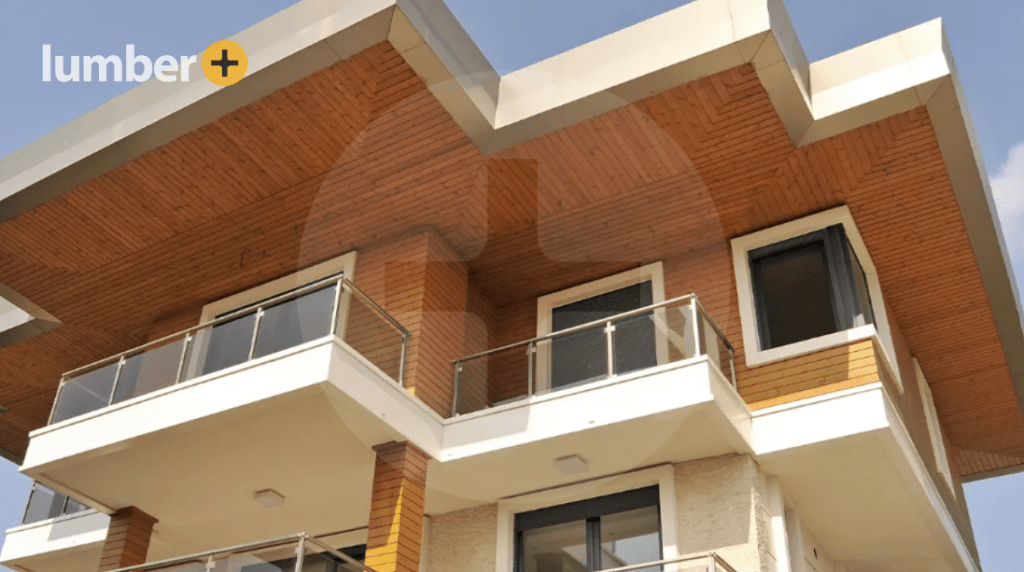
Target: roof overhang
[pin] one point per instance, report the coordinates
(816, 100)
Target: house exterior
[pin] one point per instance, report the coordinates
(677, 299)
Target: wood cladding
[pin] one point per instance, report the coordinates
(360, 156)
(127, 539)
(396, 509)
(827, 371)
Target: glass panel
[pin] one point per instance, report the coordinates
(578, 358)
(495, 379)
(866, 315)
(85, 393)
(227, 344)
(372, 335)
(74, 506)
(319, 560)
(631, 537)
(154, 369)
(295, 321)
(582, 357)
(793, 295)
(557, 548)
(635, 345)
(43, 503)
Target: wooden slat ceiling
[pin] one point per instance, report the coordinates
(361, 152)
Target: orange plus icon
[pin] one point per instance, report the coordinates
(225, 63)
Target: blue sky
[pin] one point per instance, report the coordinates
(987, 40)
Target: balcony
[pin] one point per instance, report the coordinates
(283, 395)
(304, 315)
(639, 388)
(56, 534)
(295, 553)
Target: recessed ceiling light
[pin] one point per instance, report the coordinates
(268, 498)
(572, 465)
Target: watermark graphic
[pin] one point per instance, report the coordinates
(223, 63)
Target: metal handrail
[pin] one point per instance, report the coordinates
(698, 314)
(215, 322)
(301, 539)
(32, 492)
(187, 335)
(587, 326)
(689, 558)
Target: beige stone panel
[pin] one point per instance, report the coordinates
(463, 541)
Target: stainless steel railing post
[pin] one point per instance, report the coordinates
(531, 352)
(300, 554)
(732, 367)
(28, 502)
(609, 330)
(56, 398)
(337, 306)
(696, 327)
(401, 359)
(117, 378)
(178, 377)
(455, 388)
(255, 332)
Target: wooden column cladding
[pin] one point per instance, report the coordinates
(396, 509)
(127, 539)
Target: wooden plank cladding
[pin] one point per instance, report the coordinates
(396, 510)
(458, 245)
(127, 539)
(827, 371)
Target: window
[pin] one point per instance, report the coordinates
(934, 429)
(582, 357)
(807, 287)
(617, 530)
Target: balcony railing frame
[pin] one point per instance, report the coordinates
(302, 540)
(699, 315)
(188, 335)
(31, 494)
(714, 561)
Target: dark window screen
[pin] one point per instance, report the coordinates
(583, 356)
(794, 295)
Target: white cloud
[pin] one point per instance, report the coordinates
(1008, 191)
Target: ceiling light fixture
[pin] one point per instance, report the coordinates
(572, 465)
(269, 498)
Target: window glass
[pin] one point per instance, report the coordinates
(556, 548)
(866, 315)
(794, 295)
(807, 287)
(591, 535)
(631, 537)
(583, 356)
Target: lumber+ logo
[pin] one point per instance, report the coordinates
(223, 63)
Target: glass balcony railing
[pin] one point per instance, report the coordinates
(297, 553)
(332, 306)
(45, 503)
(708, 562)
(656, 335)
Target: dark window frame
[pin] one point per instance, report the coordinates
(589, 510)
(841, 264)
